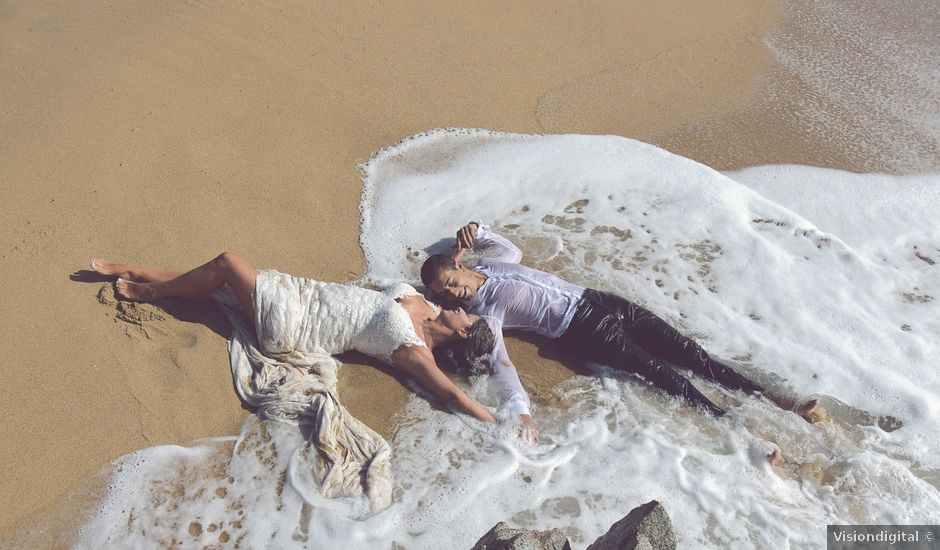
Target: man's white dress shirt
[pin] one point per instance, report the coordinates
(514, 296)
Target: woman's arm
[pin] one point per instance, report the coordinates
(419, 363)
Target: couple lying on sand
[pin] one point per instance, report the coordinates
(402, 328)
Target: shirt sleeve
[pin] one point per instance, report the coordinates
(505, 373)
(498, 248)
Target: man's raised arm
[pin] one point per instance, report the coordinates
(480, 236)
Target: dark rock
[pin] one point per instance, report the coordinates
(502, 537)
(646, 527)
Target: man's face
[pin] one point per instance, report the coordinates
(456, 284)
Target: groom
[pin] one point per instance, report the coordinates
(600, 326)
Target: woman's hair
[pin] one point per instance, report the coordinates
(470, 356)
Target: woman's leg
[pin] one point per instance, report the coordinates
(133, 272)
(226, 268)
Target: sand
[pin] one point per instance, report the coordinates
(163, 134)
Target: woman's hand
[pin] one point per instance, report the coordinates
(529, 433)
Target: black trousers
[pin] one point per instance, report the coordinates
(614, 331)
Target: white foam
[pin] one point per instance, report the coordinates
(805, 274)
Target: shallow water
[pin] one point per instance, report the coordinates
(819, 281)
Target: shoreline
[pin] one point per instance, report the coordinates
(137, 139)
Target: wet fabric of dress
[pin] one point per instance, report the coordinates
(288, 373)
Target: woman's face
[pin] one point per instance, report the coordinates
(457, 319)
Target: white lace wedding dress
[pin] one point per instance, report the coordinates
(296, 316)
(289, 374)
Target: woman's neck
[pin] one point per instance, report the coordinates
(435, 334)
(425, 322)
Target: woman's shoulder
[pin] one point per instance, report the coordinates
(399, 290)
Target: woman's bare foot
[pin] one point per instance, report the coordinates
(135, 292)
(812, 412)
(107, 268)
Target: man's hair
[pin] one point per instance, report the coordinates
(433, 264)
(470, 356)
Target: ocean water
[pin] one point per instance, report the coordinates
(869, 79)
(818, 282)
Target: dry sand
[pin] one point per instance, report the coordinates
(164, 133)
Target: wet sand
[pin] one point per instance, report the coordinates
(165, 134)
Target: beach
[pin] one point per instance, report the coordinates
(163, 135)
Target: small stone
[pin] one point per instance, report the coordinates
(502, 537)
(646, 526)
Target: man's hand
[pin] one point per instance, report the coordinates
(529, 433)
(467, 235)
(457, 253)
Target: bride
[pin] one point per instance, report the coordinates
(293, 316)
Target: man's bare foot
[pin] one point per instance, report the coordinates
(135, 292)
(889, 423)
(812, 412)
(762, 451)
(775, 458)
(107, 268)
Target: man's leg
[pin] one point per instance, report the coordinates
(599, 334)
(661, 339)
(665, 378)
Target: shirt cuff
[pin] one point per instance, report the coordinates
(519, 405)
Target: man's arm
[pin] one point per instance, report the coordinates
(480, 236)
(510, 386)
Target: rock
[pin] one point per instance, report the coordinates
(502, 537)
(646, 527)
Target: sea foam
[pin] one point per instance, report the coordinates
(820, 281)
